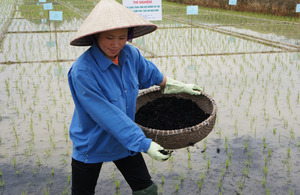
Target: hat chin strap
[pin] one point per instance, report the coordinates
(94, 40)
(130, 35)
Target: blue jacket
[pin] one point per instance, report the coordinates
(102, 127)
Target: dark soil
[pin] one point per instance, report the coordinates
(168, 113)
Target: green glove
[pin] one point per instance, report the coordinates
(173, 86)
(157, 152)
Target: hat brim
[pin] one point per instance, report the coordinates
(137, 31)
(110, 15)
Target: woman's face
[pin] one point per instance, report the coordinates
(111, 42)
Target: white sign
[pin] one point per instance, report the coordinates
(56, 15)
(192, 10)
(298, 8)
(50, 43)
(47, 6)
(232, 2)
(149, 9)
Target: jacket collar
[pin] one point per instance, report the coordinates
(104, 62)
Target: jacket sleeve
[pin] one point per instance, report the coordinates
(88, 94)
(148, 73)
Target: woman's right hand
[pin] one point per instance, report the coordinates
(155, 152)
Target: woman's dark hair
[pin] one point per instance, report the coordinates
(130, 34)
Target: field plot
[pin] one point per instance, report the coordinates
(250, 64)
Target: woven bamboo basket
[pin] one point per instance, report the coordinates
(179, 138)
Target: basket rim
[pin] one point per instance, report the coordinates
(166, 132)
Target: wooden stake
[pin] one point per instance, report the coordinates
(56, 45)
(191, 39)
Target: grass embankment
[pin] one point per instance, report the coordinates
(274, 7)
(264, 23)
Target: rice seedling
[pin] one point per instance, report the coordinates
(2, 184)
(16, 134)
(66, 190)
(230, 155)
(176, 186)
(14, 162)
(200, 185)
(285, 123)
(46, 190)
(274, 131)
(34, 172)
(269, 152)
(220, 184)
(19, 172)
(189, 164)
(246, 145)
(266, 161)
(226, 144)
(49, 180)
(25, 192)
(292, 134)
(236, 128)
(153, 169)
(7, 87)
(227, 163)
(162, 180)
(265, 171)
(189, 153)
(248, 163)
(208, 164)
(241, 184)
(263, 182)
(245, 171)
(223, 173)
(39, 162)
(288, 169)
(288, 152)
(48, 152)
(264, 143)
(181, 177)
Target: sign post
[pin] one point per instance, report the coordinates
(231, 39)
(55, 16)
(48, 6)
(232, 2)
(192, 10)
(298, 11)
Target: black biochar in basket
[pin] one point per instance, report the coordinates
(167, 113)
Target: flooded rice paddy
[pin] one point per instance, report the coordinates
(250, 68)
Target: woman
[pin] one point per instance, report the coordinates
(104, 82)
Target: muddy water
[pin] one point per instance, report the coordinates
(253, 149)
(196, 41)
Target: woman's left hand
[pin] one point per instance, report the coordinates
(174, 86)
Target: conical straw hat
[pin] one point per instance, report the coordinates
(110, 15)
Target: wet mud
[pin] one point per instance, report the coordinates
(254, 147)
